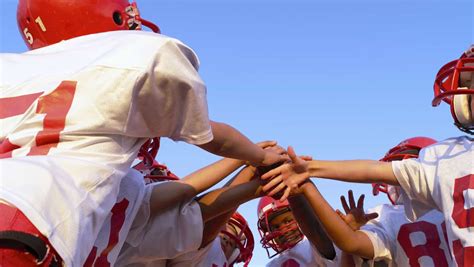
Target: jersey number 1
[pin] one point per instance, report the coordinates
(54, 106)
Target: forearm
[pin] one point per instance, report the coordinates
(347, 260)
(229, 142)
(311, 226)
(204, 178)
(224, 199)
(348, 240)
(165, 195)
(215, 213)
(358, 171)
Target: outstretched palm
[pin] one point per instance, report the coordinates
(355, 216)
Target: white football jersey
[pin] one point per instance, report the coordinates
(399, 242)
(73, 116)
(211, 255)
(116, 226)
(443, 178)
(153, 238)
(302, 255)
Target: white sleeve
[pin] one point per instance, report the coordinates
(380, 241)
(416, 193)
(179, 228)
(170, 100)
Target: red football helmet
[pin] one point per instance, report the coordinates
(152, 170)
(409, 148)
(243, 237)
(454, 84)
(268, 208)
(45, 22)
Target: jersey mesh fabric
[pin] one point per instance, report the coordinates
(397, 241)
(76, 114)
(443, 178)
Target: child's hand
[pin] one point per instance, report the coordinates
(273, 154)
(355, 216)
(288, 176)
(265, 144)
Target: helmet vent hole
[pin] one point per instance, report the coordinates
(28, 20)
(118, 18)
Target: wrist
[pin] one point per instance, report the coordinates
(259, 157)
(312, 168)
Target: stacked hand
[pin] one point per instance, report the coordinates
(287, 177)
(273, 154)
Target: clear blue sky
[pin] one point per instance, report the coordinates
(335, 79)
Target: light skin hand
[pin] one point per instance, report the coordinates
(347, 239)
(355, 216)
(288, 176)
(271, 157)
(230, 143)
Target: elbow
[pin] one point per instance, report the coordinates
(349, 245)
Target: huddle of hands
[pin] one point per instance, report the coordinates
(285, 177)
(283, 172)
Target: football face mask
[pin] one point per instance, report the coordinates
(454, 84)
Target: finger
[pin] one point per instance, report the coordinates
(344, 205)
(273, 172)
(285, 157)
(340, 213)
(351, 200)
(306, 158)
(292, 154)
(371, 216)
(279, 149)
(285, 195)
(272, 183)
(266, 144)
(360, 202)
(277, 189)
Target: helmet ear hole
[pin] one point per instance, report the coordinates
(117, 18)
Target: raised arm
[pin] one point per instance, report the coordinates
(242, 189)
(311, 226)
(169, 194)
(218, 205)
(229, 142)
(347, 239)
(290, 175)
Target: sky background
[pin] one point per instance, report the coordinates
(335, 79)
